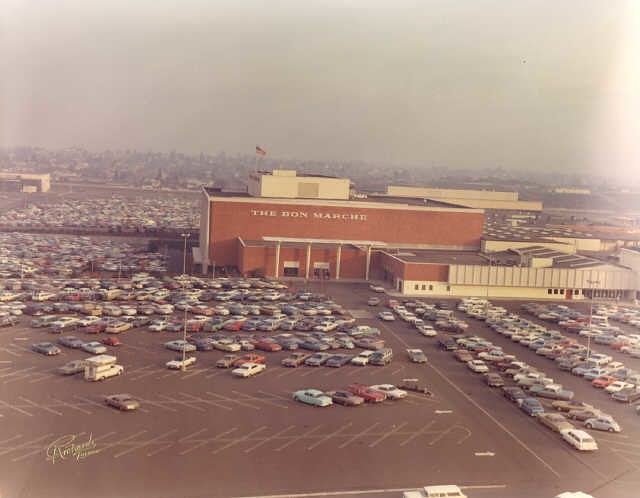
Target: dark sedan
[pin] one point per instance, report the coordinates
(345, 398)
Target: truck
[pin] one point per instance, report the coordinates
(101, 367)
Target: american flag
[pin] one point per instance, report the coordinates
(260, 152)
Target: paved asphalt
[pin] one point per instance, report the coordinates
(204, 433)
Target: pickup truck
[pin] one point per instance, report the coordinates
(551, 391)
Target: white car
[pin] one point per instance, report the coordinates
(248, 369)
(390, 390)
(85, 322)
(179, 345)
(427, 330)
(376, 288)
(386, 316)
(362, 358)
(94, 347)
(179, 364)
(580, 440)
(158, 326)
(477, 366)
(227, 345)
(617, 386)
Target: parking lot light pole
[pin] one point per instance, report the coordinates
(184, 328)
(592, 284)
(185, 236)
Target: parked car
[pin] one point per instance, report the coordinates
(417, 356)
(555, 421)
(337, 360)
(71, 368)
(249, 358)
(317, 359)
(124, 402)
(249, 369)
(312, 397)
(71, 341)
(179, 345)
(295, 360)
(179, 364)
(602, 423)
(226, 361)
(584, 414)
(46, 348)
(477, 366)
(628, 395)
(515, 394)
(493, 380)
(345, 398)
(370, 395)
(94, 347)
(531, 406)
(391, 391)
(362, 358)
(112, 341)
(568, 405)
(580, 440)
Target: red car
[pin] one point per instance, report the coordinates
(112, 341)
(234, 326)
(268, 345)
(603, 381)
(249, 358)
(369, 395)
(96, 328)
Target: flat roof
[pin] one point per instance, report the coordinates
(437, 257)
(409, 202)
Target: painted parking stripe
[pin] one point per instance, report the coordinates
(10, 352)
(270, 438)
(262, 400)
(385, 436)
(17, 372)
(158, 404)
(299, 437)
(398, 370)
(231, 400)
(195, 372)
(145, 443)
(356, 436)
(41, 377)
(418, 433)
(364, 492)
(126, 439)
(206, 441)
(145, 374)
(333, 371)
(90, 401)
(239, 440)
(207, 401)
(271, 395)
(215, 373)
(17, 436)
(20, 377)
(329, 436)
(40, 406)
(74, 407)
(188, 404)
(287, 371)
(29, 443)
(4, 403)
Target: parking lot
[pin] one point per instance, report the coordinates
(204, 432)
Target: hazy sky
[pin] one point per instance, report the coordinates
(519, 84)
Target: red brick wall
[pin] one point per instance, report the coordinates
(409, 271)
(230, 220)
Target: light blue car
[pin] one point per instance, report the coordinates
(312, 397)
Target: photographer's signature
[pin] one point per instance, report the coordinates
(70, 446)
